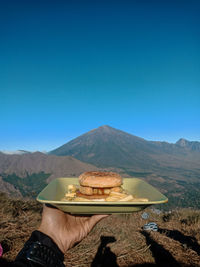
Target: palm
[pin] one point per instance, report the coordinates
(65, 229)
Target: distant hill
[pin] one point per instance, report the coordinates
(20, 173)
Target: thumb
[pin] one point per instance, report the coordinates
(95, 219)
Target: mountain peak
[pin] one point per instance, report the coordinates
(104, 128)
(182, 142)
(192, 145)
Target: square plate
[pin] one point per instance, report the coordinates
(55, 191)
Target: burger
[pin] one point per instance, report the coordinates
(98, 185)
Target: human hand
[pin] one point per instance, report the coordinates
(65, 229)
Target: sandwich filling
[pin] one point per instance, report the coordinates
(86, 190)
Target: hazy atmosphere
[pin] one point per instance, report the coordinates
(67, 67)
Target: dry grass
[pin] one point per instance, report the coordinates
(18, 220)
(118, 240)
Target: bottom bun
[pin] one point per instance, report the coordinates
(103, 196)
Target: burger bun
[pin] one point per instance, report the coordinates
(100, 179)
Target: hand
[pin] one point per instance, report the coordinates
(65, 229)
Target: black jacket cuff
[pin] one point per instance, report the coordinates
(40, 250)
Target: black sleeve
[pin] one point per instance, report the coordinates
(39, 250)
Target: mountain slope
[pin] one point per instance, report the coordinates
(106, 147)
(37, 162)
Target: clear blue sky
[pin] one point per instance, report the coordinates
(67, 67)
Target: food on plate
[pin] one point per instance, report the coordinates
(99, 186)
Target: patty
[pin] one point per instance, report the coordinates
(86, 190)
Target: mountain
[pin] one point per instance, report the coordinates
(22, 174)
(108, 147)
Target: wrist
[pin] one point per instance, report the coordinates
(62, 247)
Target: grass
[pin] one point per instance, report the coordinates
(117, 239)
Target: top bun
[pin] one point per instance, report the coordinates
(100, 179)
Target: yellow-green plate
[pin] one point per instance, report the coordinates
(55, 191)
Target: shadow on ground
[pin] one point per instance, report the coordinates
(104, 256)
(187, 241)
(162, 256)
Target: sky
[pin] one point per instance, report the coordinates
(67, 67)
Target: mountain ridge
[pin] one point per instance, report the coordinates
(19, 168)
(38, 161)
(193, 145)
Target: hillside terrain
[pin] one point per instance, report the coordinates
(27, 174)
(177, 241)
